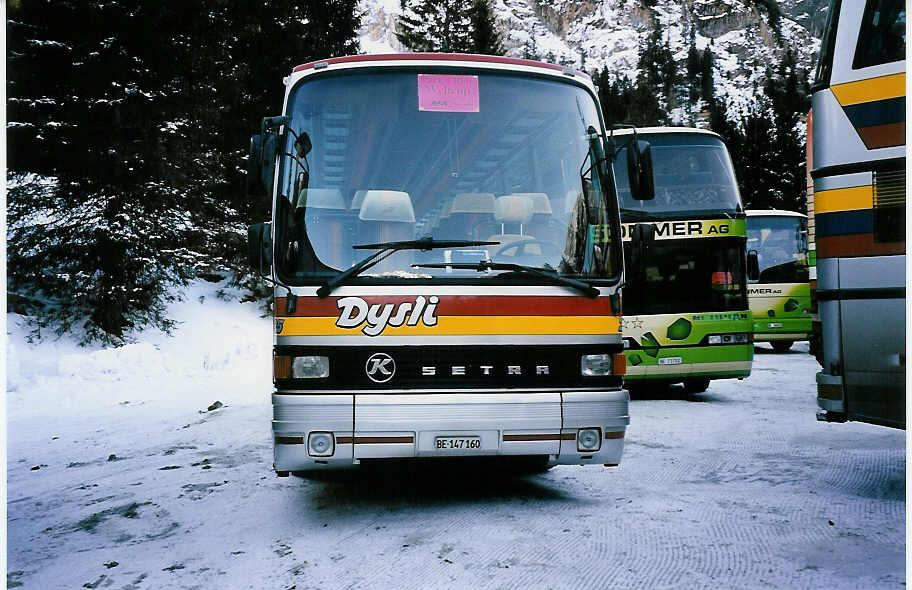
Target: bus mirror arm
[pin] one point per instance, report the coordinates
(259, 255)
(259, 247)
(753, 265)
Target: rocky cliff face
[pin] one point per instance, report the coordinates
(594, 34)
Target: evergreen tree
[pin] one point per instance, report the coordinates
(788, 100)
(707, 83)
(530, 49)
(694, 69)
(436, 25)
(486, 38)
(653, 95)
(126, 144)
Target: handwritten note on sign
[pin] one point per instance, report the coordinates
(448, 94)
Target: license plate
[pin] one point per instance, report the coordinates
(671, 360)
(774, 325)
(457, 443)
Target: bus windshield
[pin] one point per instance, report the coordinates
(781, 245)
(399, 155)
(692, 172)
(688, 276)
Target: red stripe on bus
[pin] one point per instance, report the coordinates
(881, 136)
(856, 245)
(514, 61)
(465, 306)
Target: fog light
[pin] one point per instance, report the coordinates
(595, 365)
(714, 340)
(320, 444)
(310, 367)
(588, 439)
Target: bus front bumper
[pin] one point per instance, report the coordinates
(313, 432)
(769, 329)
(676, 364)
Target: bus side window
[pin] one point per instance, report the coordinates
(882, 38)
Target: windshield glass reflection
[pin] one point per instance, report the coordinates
(501, 162)
(691, 173)
(781, 245)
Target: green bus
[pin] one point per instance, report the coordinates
(780, 298)
(686, 317)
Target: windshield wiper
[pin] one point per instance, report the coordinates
(484, 265)
(386, 249)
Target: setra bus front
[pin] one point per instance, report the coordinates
(446, 253)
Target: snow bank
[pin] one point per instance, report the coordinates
(219, 345)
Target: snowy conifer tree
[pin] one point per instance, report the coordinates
(128, 126)
(436, 25)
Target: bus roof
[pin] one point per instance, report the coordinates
(456, 58)
(658, 130)
(772, 213)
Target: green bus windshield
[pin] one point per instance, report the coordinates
(781, 245)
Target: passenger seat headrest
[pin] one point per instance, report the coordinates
(321, 198)
(387, 206)
(473, 203)
(513, 209)
(541, 205)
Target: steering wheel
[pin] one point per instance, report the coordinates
(548, 250)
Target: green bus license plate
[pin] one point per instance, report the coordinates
(457, 443)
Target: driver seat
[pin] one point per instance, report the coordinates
(512, 212)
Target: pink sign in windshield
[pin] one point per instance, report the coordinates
(448, 94)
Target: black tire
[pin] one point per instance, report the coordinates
(696, 385)
(781, 346)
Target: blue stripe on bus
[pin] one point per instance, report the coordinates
(840, 223)
(877, 112)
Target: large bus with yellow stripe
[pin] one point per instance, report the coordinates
(858, 167)
(445, 249)
(686, 316)
(780, 295)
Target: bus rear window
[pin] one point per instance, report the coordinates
(882, 38)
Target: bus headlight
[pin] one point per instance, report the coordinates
(320, 444)
(310, 367)
(596, 365)
(588, 439)
(738, 338)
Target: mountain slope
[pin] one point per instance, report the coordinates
(744, 36)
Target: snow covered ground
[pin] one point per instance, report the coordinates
(119, 477)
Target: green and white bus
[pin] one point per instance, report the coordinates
(686, 317)
(780, 298)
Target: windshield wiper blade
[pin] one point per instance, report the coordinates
(483, 265)
(386, 249)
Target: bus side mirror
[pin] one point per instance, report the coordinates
(753, 265)
(262, 157)
(639, 170)
(259, 247)
(255, 186)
